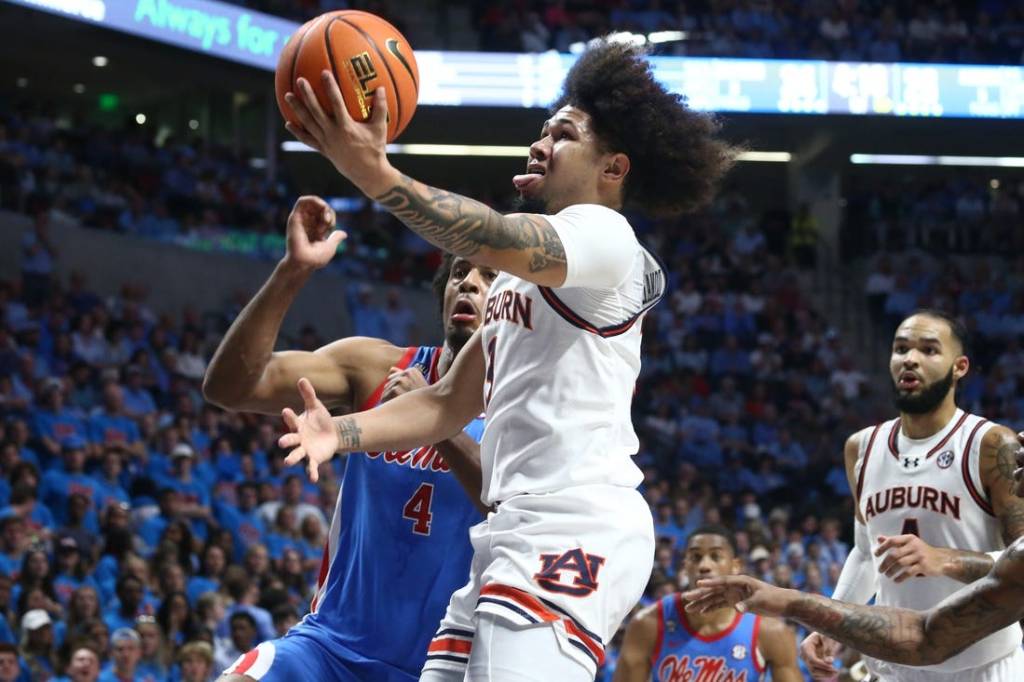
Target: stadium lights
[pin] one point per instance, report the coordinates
(655, 37)
(926, 160)
(140, 118)
(100, 61)
(504, 150)
(78, 88)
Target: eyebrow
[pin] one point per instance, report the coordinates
(562, 120)
(923, 339)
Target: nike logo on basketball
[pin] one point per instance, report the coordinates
(392, 46)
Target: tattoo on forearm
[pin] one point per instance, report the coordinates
(348, 433)
(1011, 515)
(969, 566)
(463, 226)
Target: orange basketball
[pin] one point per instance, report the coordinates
(364, 52)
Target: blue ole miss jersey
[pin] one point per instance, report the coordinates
(397, 550)
(683, 655)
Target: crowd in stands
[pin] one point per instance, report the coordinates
(982, 31)
(978, 277)
(185, 191)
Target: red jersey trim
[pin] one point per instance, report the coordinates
(894, 447)
(374, 398)
(656, 654)
(755, 656)
(693, 633)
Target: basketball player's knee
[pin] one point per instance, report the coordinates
(231, 677)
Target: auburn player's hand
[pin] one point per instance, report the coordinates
(819, 652)
(908, 556)
(402, 381)
(314, 436)
(311, 238)
(740, 592)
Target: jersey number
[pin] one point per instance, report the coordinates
(417, 509)
(910, 528)
(490, 369)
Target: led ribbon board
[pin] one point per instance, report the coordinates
(763, 86)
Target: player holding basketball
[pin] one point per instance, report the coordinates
(664, 643)
(934, 479)
(570, 547)
(398, 543)
(911, 638)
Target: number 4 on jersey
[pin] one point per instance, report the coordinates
(417, 509)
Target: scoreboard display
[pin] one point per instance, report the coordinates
(762, 86)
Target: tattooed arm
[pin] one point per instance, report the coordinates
(522, 244)
(998, 459)
(897, 635)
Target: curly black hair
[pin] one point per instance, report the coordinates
(676, 159)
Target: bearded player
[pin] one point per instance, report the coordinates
(902, 636)
(934, 503)
(665, 643)
(570, 547)
(398, 544)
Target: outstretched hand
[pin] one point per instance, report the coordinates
(738, 591)
(313, 436)
(357, 149)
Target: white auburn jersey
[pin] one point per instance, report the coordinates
(562, 363)
(931, 488)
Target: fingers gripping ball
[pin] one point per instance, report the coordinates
(364, 52)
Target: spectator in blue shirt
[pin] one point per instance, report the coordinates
(13, 543)
(832, 548)
(138, 401)
(25, 505)
(126, 652)
(109, 479)
(243, 521)
(211, 569)
(152, 665)
(730, 359)
(72, 572)
(53, 422)
(38, 644)
(130, 593)
(59, 484)
(111, 424)
(194, 495)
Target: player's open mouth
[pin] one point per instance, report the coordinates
(534, 173)
(909, 381)
(464, 312)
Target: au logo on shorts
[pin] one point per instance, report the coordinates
(584, 566)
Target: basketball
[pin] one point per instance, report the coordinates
(364, 52)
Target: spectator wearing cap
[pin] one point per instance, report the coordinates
(760, 563)
(194, 495)
(195, 662)
(59, 484)
(11, 669)
(110, 424)
(84, 665)
(126, 652)
(37, 646)
(52, 421)
(72, 570)
(155, 659)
